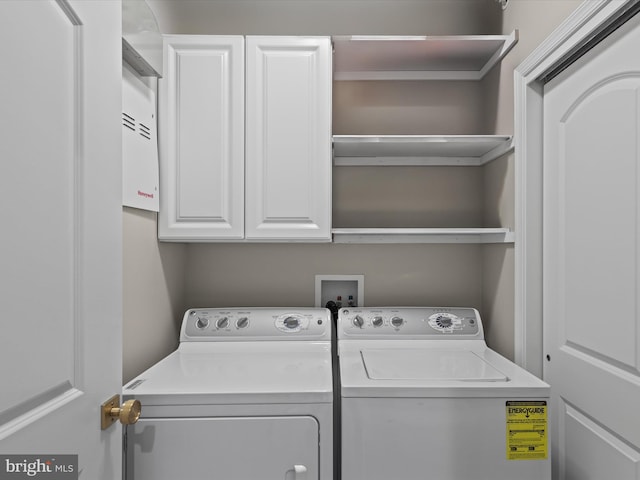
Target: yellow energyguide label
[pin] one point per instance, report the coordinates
(526, 430)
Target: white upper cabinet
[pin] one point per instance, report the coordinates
(201, 118)
(270, 182)
(288, 138)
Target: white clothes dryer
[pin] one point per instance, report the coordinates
(247, 395)
(423, 397)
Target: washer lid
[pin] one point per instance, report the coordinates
(458, 365)
(430, 369)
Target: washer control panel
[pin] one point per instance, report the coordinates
(405, 322)
(212, 324)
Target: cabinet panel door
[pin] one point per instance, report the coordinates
(202, 135)
(288, 138)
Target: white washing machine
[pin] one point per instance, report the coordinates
(423, 397)
(247, 395)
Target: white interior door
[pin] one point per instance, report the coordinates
(591, 260)
(60, 254)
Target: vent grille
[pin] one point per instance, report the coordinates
(128, 121)
(145, 131)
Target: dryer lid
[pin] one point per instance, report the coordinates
(426, 365)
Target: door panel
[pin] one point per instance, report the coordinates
(608, 457)
(591, 263)
(60, 261)
(288, 138)
(599, 217)
(240, 448)
(43, 202)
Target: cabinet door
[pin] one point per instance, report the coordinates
(202, 138)
(288, 138)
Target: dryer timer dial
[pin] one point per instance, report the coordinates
(291, 322)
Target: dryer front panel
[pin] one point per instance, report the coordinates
(231, 448)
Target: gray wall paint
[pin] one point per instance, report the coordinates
(276, 274)
(408, 108)
(535, 20)
(153, 296)
(438, 197)
(326, 17)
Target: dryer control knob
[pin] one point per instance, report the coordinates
(202, 322)
(378, 321)
(397, 321)
(291, 322)
(243, 322)
(222, 322)
(358, 321)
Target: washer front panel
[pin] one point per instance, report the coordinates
(432, 439)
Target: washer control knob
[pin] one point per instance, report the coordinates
(243, 322)
(202, 322)
(378, 321)
(397, 321)
(445, 322)
(358, 321)
(291, 322)
(222, 323)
